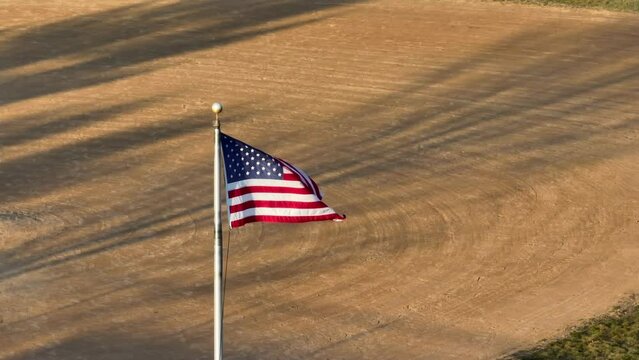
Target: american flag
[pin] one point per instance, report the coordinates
(261, 187)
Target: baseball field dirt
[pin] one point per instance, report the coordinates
(486, 154)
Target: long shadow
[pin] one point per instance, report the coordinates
(21, 259)
(525, 106)
(43, 172)
(115, 345)
(42, 125)
(111, 44)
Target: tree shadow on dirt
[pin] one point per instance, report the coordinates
(126, 41)
(114, 345)
(505, 111)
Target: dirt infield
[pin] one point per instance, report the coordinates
(486, 156)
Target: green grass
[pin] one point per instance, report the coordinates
(610, 337)
(616, 5)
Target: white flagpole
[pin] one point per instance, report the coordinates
(217, 221)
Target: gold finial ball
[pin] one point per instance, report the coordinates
(217, 108)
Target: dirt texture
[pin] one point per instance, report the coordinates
(486, 155)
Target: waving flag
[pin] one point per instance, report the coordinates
(261, 187)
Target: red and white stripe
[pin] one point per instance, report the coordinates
(294, 198)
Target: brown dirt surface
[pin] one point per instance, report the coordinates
(486, 154)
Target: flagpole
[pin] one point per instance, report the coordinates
(217, 221)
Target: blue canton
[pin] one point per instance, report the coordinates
(243, 162)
